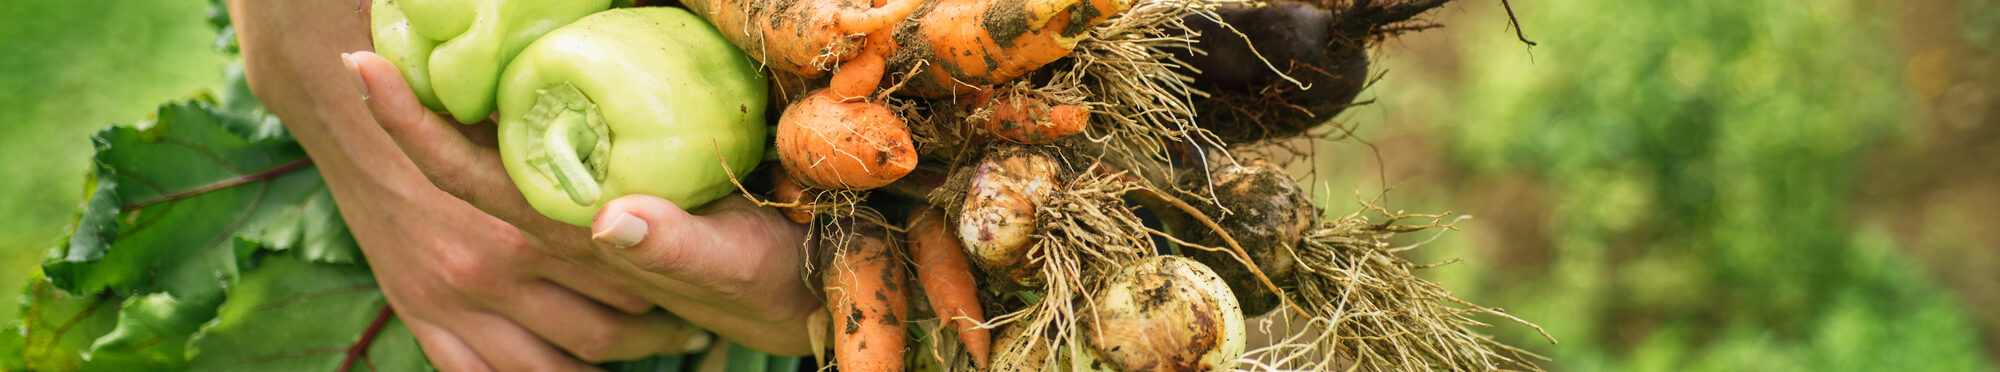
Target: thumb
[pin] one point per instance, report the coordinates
(450, 159)
(658, 236)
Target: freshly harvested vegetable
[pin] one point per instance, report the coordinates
(826, 142)
(1164, 313)
(806, 38)
(786, 190)
(629, 101)
(946, 277)
(1025, 120)
(1268, 215)
(1307, 42)
(971, 43)
(1033, 351)
(864, 294)
(962, 44)
(453, 51)
(998, 223)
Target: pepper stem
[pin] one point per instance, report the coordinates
(569, 142)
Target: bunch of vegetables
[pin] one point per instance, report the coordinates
(975, 170)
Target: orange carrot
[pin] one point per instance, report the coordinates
(1027, 120)
(787, 190)
(964, 44)
(864, 290)
(804, 37)
(961, 44)
(946, 275)
(827, 143)
(858, 77)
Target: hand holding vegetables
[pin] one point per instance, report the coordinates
(596, 109)
(730, 267)
(629, 101)
(469, 286)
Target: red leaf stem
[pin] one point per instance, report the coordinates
(253, 177)
(360, 348)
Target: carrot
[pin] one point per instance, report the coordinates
(960, 44)
(864, 290)
(827, 143)
(858, 77)
(946, 276)
(786, 190)
(804, 37)
(1027, 120)
(964, 44)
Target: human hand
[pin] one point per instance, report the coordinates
(469, 286)
(731, 267)
(479, 297)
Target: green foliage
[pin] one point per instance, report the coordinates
(155, 327)
(224, 248)
(178, 197)
(1702, 155)
(294, 315)
(56, 327)
(71, 68)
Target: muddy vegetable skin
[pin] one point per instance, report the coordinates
(998, 223)
(1164, 313)
(865, 295)
(1269, 215)
(629, 101)
(825, 142)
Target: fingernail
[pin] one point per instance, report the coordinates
(698, 343)
(623, 231)
(354, 73)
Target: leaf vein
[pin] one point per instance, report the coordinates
(204, 151)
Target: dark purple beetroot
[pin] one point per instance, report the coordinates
(1249, 101)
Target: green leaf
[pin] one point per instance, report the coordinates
(293, 315)
(11, 340)
(154, 329)
(57, 326)
(178, 197)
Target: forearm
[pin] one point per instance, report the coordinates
(291, 51)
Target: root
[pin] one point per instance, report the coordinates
(1089, 233)
(1142, 106)
(1366, 310)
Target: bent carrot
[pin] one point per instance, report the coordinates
(1027, 120)
(965, 44)
(960, 44)
(786, 190)
(827, 143)
(864, 290)
(946, 276)
(804, 37)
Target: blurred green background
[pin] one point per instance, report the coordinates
(67, 69)
(1663, 185)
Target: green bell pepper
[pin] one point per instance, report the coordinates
(629, 101)
(452, 51)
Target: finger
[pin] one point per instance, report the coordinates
(445, 351)
(507, 346)
(592, 285)
(708, 250)
(435, 143)
(595, 333)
